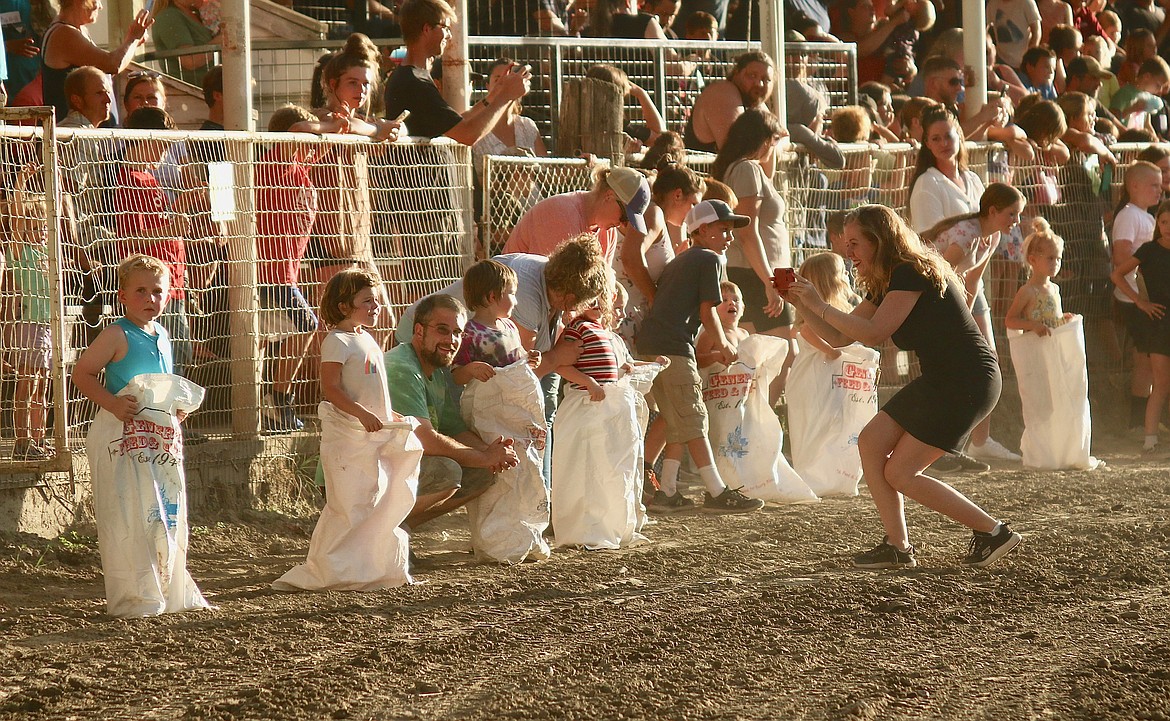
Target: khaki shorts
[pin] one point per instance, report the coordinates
(437, 473)
(678, 391)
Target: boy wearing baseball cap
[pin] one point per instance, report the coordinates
(687, 296)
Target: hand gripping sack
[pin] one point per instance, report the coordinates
(597, 469)
(370, 484)
(1054, 394)
(508, 520)
(140, 499)
(746, 436)
(829, 402)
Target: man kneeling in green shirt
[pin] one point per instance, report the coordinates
(457, 464)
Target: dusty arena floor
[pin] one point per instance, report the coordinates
(755, 617)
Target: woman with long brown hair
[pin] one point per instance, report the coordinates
(914, 297)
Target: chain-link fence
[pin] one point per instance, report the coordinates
(250, 225)
(33, 345)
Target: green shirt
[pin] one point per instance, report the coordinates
(174, 29)
(30, 270)
(413, 394)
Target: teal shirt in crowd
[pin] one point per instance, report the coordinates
(413, 394)
(30, 270)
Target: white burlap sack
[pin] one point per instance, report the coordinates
(641, 380)
(1054, 393)
(597, 469)
(829, 402)
(508, 520)
(746, 436)
(140, 499)
(370, 485)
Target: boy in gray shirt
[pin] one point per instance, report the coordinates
(688, 293)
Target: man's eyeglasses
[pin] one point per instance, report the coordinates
(143, 74)
(444, 329)
(622, 209)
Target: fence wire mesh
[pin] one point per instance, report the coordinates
(242, 221)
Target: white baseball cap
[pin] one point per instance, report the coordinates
(713, 211)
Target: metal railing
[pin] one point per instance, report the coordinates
(673, 72)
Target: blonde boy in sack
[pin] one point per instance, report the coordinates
(135, 449)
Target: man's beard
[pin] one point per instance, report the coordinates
(435, 359)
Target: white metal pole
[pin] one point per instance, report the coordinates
(243, 299)
(975, 55)
(456, 72)
(237, 65)
(772, 44)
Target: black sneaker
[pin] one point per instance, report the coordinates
(945, 466)
(730, 501)
(967, 463)
(987, 548)
(664, 505)
(884, 555)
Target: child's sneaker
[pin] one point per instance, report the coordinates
(884, 555)
(279, 416)
(730, 501)
(987, 548)
(665, 505)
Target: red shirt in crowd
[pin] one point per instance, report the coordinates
(141, 205)
(286, 207)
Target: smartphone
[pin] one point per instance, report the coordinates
(520, 68)
(402, 116)
(783, 278)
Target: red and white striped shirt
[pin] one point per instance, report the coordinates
(598, 359)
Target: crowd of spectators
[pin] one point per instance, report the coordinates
(1066, 81)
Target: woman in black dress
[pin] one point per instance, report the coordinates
(914, 297)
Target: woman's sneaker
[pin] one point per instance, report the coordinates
(987, 548)
(730, 501)
(664, 505)
(884, 555)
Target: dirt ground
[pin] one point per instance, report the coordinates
(734, 617)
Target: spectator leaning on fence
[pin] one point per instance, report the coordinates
(66, 46)
(749, 85)
(513, 133)
(618, 196)
(426, 27)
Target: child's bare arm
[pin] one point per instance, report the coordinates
(705, 354)
(817, 342)
(712, 326)
(110, 345)
(475, 370)
(335, 394)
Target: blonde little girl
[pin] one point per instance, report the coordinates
(1036, 307)
(369, 454)
(826, 272)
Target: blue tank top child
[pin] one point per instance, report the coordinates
(146, 354)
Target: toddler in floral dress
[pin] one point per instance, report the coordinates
(491, 339)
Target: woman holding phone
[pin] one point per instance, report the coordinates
(914, 297)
